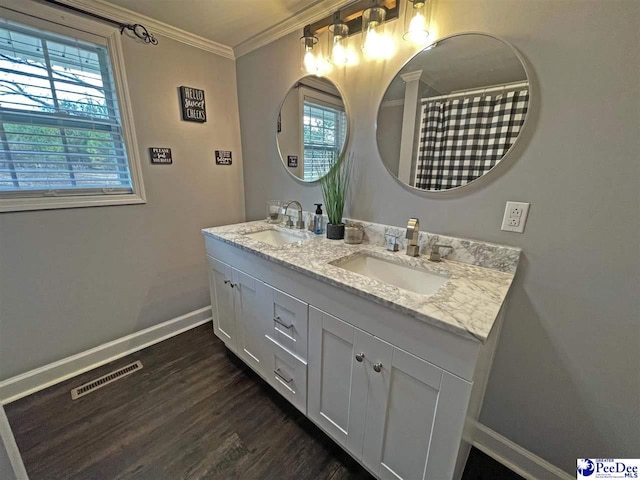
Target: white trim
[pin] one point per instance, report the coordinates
(392, 103)
(121, 14)
(35, 380)
(291, 24)
(512, 455)
(9, 444)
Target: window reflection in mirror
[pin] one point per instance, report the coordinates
(312, 128)
(453, 112)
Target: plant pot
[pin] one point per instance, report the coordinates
(335, 232)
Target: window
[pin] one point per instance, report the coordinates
(324, 131)
(62, 141)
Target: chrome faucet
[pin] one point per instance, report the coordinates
(413, 231)
(300, 223)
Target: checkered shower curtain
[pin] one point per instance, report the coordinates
(460, 139)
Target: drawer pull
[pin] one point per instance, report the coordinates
(279, 321)
(360, 357)
(282, 376)
(377, 367)
(227, 282)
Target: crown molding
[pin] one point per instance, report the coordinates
(297, 22)
(106, 9)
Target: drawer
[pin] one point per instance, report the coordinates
(286, 321)
(287, 374)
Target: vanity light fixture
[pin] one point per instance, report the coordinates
(416, 21)
(375, 44)
(309, 62)
(338, 38)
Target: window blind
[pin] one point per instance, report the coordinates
(60, 129)
(324, 132)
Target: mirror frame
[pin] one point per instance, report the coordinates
(347, 137)
(507, 154)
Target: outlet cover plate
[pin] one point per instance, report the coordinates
(515, 217)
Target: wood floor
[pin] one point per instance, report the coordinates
(193, 412)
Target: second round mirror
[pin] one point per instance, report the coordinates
(312, 128)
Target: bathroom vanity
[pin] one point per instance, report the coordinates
(388, 354)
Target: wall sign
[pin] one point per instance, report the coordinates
(193, 106)
(292, 160)
(223, 157)
(160, 155)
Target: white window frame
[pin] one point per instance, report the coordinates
(56, 21)
(323, 99)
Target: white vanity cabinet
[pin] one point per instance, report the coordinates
(392, 390)
(237, 312)
(396, 413)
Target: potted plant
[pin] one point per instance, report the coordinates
(335, 185)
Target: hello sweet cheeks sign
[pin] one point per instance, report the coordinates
(193, 105)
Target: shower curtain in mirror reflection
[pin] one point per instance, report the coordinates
(462, 138)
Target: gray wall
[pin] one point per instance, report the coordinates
(74, 279)
(565, 381)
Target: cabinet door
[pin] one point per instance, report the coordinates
(338, 382)
(222, 302)
(286, 321)
(413, 430)
(249, 331)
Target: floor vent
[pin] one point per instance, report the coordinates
(93, 385)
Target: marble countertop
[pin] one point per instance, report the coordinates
(467, 304)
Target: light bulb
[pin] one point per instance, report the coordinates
(418, 32)
(310, 63)
(339, 54)
(378, 46)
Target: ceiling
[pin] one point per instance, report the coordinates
(227, 22)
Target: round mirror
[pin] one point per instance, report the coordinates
(453, 112)
(312, 128)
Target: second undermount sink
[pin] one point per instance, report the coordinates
(275, 237)
(406, 277)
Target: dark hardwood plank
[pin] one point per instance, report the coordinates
(193, 412)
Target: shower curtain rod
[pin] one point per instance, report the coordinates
(499, 88)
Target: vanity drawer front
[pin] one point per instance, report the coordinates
(286, 321)
(287, 374)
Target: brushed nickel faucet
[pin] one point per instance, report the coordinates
(435, 256)
(413, 232)
(300, 223)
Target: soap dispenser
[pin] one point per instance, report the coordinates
(317, 219)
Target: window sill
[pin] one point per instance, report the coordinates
(51, 203)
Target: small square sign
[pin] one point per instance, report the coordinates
(223, 157)
(292, 160)
(193, 106)
(160, 155)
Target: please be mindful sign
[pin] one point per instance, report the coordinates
(592, 468)
(193, 106)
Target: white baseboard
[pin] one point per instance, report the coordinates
(512, 455)
(32, 381)
(8, 443)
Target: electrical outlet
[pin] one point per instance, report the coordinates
(515, 217)
(515, 212)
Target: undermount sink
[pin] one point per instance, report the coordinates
(276, 238)
(403, 276)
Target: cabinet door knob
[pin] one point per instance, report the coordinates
(359, 357)
(227, 282)
(377, 367)
(233, 285)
